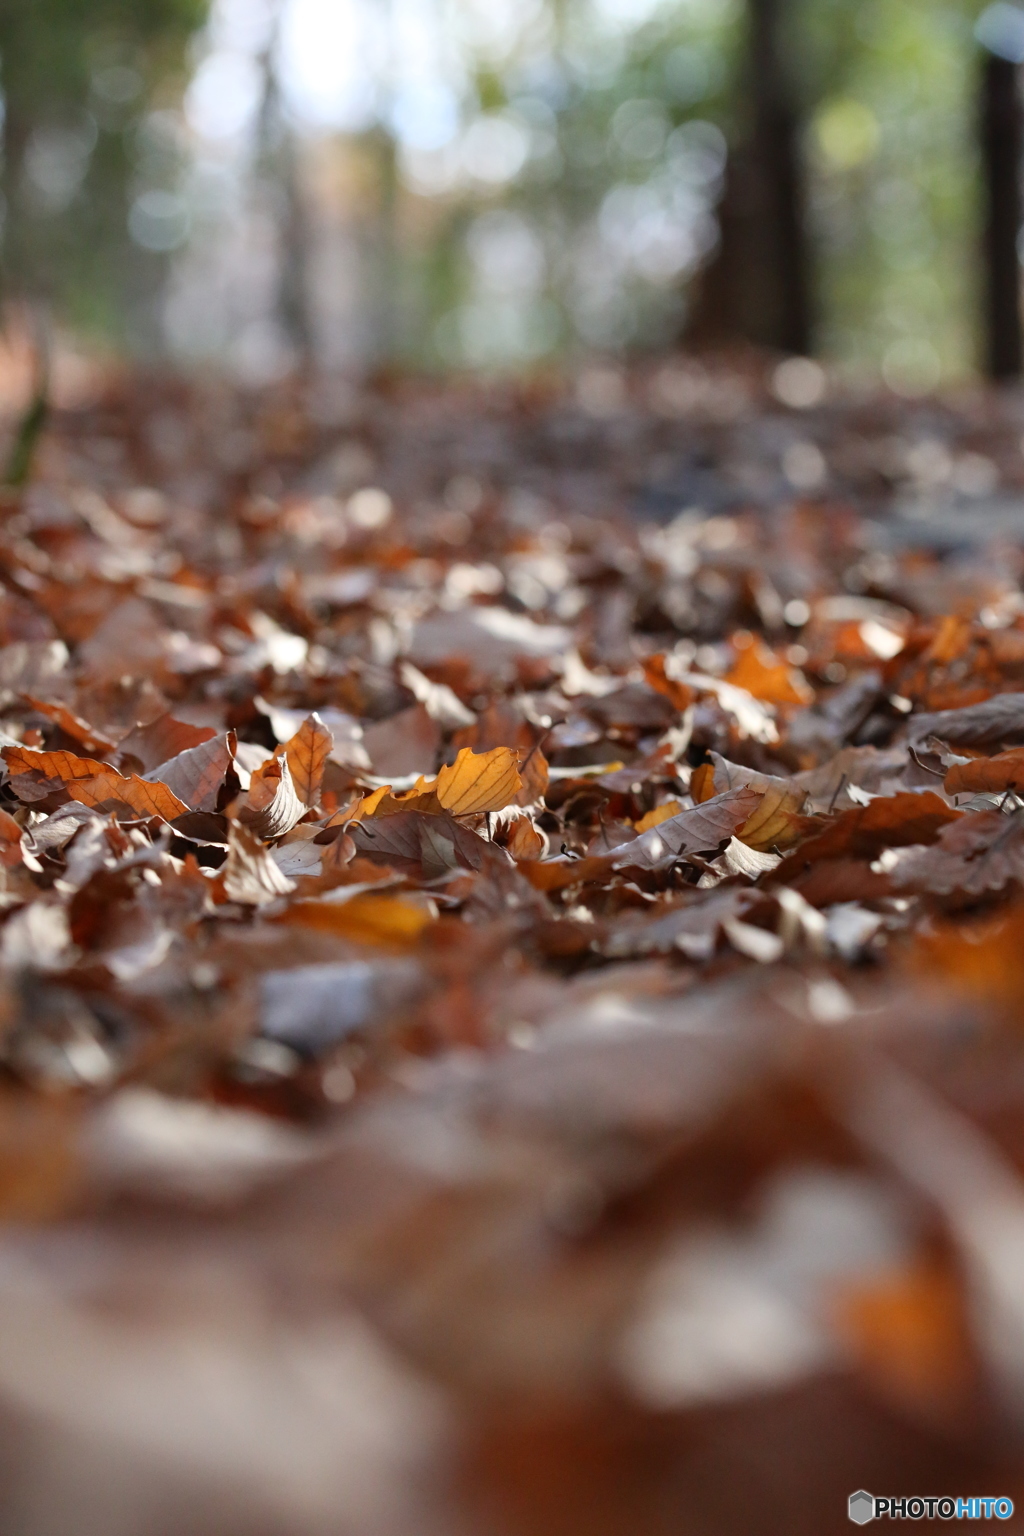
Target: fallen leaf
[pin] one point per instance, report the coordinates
(890, 821)
(776, 822)
(998, 721)
(524, 841)
(661, 813)
(987, 775)
(71, 724)
(479, 782)
(161, 740)
(979, 852)
(408, 840)
(364, 919)
(271, 808)
(93, 783)
(699, 830)
(250, 876)
(197, 774)
(307, 753)
(764, 675)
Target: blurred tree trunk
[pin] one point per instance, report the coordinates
(758, 288)
(281, 170)
(1002, 141)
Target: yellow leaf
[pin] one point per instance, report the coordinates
(479, 781)
(656, 817)
(367, 919)
(775, 822)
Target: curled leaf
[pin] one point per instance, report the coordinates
(271, 808)
(250, 875)
(197, 774)
(776, 822)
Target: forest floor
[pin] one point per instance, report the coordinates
(510, 957)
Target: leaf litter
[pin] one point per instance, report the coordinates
(569, 934)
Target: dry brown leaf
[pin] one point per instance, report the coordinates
(699, 830)
(535, 773)
(197, 774)
(160, 741)
(998, 721)
(979, 852)
(890, 821)
(307, 753)
(524, 841)
(271, 808)
(250, 875)
(418, 842)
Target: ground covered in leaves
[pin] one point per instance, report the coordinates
(510, 958)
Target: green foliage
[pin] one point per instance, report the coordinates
(78, 78)
(893, 157)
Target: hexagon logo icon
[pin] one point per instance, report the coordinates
(862, 1507)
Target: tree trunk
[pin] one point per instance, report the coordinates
(1001, 137)
(758, 288)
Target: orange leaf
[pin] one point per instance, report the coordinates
(52, 765)
(71, 724)
(307, 753)
(702, 784)
(987, 775)
(767, 677)
(478, 782)
(908, 1333)
(93, 783)
(679, 694)
(10, 842)
(525, 842)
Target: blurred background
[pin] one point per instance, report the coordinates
(501, 184)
